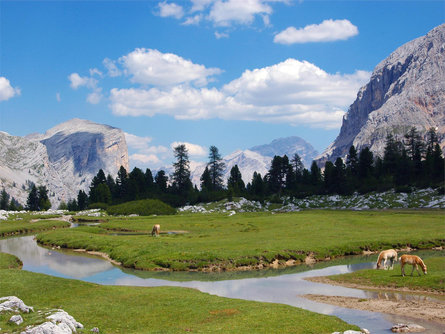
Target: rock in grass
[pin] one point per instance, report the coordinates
(16, 319)
(60, 323)
(407, 328)
(14, 304)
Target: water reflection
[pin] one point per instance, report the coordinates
(283, 286)
(52, 262)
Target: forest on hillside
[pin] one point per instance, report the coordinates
(414, 162)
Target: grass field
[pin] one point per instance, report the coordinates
(24, 224)
(434, 280)
(252, 239)
(117, 309)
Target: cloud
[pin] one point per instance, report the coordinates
(200, 5)
(95, 97)
(193, 20)
(226, 13)
(293, 92)
(95, 71)
(170, 10)
(113, 70)
(152, 67)
(6, 90)
(221, 35)
(58, 97)
(77, 81)
(193, 149)
(327, 31)
(145, 159)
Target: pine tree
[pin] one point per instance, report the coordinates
(216, 168)
(149, 182)
(235, 182)
(4, 200)
(82, 200)
(181, 175)
(206, 180)
(44, 203)
(32, 203)
(161, 181)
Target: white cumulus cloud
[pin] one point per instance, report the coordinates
(327, 31)
(226, 13)
(77, 81)
(193, 149)
(6, 90)
(170, 10)
(152, 67)
(295, 92)
(144, 158)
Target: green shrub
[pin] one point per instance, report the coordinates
(102, 206)
(146, 207)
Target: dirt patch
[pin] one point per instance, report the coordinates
(425, 310)
(326, 280)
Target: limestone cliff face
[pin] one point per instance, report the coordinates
(406, 89)
(64, 159)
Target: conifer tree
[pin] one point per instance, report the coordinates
(235, 182)
(216, 168)
(32, 203)
(161, 181)
(206, 180)
(4, 200)
(82, 200)
(181, 176)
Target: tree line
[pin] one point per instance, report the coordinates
(413, 161)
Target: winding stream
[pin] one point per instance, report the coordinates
(278, 286)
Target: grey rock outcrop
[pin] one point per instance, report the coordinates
(64, 159)
(14, 304)
(406, 89)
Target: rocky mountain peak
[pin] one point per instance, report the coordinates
(406, 89)
(64, 159)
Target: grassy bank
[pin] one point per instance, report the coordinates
(27, 223)
(119, 309)
(433, 281)
(252, 240)
(8, 261)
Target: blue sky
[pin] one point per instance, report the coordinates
(229, 73)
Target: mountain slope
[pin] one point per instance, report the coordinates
(64, 159)
(406, 89)
(288, 146)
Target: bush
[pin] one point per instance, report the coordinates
(102, 206)
(144, 207)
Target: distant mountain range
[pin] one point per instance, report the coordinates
(406, 89)
(258, 158)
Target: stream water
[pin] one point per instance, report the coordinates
(278, 286)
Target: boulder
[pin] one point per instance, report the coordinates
(14, 304)
(16, 319)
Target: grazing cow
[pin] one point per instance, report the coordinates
(390, 254)
(156, 230)
(413, 260)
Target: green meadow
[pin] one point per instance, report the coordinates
(433, 281)
(26, 223)
(120, 309)
(220, 241)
